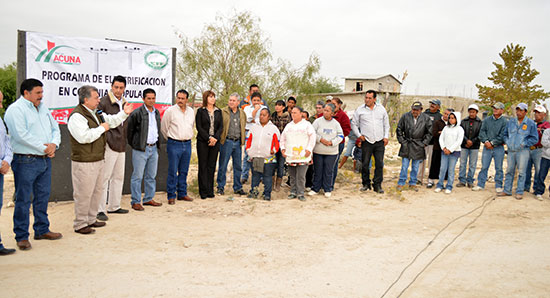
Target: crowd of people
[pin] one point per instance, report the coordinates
(100, 129)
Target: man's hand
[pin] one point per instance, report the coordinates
(212, 141)
(362, 138)
(308, 153)
(385, 141)
(50, 149)
(283, 152)
(5, 167)
(128, 108)
(446, 151)
(469, 143)
(105, 125)
(488, 145)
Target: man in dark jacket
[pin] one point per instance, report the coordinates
(115, 151)
(143, 131)
(434, 114)
(470, 147)
(414, 132)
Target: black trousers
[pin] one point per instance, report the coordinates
(208, 156)
(368, 150)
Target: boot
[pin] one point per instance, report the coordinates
(278, 182)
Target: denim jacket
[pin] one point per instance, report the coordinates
(520, 136)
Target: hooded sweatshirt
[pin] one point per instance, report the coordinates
(452, 135)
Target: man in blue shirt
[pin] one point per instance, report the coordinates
(520, 134)
(34, 137)
(6, 155)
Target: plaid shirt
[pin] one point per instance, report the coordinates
(280, 121)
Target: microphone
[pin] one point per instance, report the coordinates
(101, 118)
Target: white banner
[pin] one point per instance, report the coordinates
(63, 64)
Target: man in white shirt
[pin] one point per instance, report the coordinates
(177, 127)
(252, 117)
(87, 131)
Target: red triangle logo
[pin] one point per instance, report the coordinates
(50, 45)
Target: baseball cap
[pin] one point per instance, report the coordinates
(540, 108)
(473, 106)
(436, 102)
(498, 105)
(417, 105)
(522, 106)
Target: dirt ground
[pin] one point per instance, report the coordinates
(351, 245)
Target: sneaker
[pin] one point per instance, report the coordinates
(311, 193)
(460, 184)
(302, 198)
(220, 191)
(308, 189)
(477, 188)
(328, 194)
(437, 190)
(430, 185)
(448, 191)
(292, 196)
(102, 216)
(499, 190)
(539, 197)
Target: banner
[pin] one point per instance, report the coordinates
(63, 64)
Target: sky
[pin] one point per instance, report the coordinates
(446, 47)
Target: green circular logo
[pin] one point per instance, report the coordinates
(156, 59)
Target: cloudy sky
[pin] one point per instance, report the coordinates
(446, 46)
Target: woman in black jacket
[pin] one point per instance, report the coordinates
(209, 129)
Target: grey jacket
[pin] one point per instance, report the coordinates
(413, 138)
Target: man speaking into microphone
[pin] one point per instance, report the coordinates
(87, 127)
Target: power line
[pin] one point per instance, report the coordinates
(482, 206)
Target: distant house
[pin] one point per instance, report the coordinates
(380, 83)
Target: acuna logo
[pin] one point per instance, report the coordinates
(51, 54)
(156, 59)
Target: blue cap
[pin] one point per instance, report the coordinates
(436, 102)
(522, 106)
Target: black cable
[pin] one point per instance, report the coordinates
(483, 205)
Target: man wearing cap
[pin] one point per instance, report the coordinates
(434, 114)
(414, 132)
(491, 135)
(535, 152)
(470, 147)
(519, 135)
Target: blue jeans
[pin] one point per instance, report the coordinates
(1, 200)
(269, 169)
(404, 168)
(280, 164)
(465, 155)
(335, 170)
(323, 166)
(350, 146)
(230, 149)
(534, 160)
(144, 163)
(516, 159)
(179, 155)
(31, 174)
(448, 164)
(497, 153)
(543, 171)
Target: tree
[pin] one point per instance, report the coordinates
(232, 53)
(8, 84)
(512, 80)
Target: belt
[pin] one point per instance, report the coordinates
(31, 155)
(234, 139)
(182, 141)
(535, 147)
(151, 145)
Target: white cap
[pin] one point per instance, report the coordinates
(473, 106)
(540, 108)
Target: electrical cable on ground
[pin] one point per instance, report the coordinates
(482, 207)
